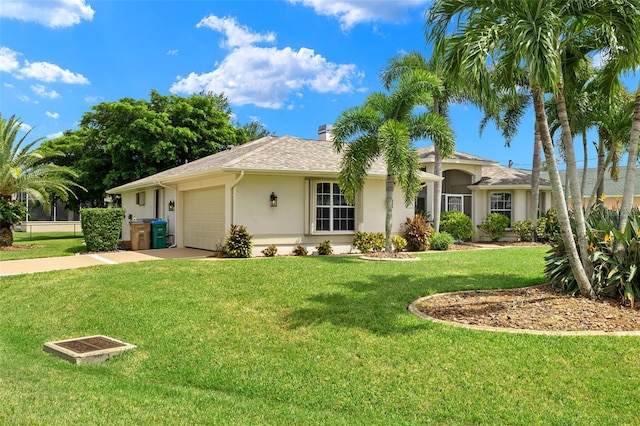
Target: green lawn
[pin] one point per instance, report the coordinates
(47, 244)
(315, 340)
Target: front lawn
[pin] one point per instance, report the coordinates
(287, 340)
(46, 244)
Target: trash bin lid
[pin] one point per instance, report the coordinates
(158, 222)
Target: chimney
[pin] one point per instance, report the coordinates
(325, 133)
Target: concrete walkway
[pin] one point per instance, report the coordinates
(28, 266)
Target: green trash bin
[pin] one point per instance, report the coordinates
(158, 234)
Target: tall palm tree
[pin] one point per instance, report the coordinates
(25, 169)
(385, 126)
(536, 34)
(441, 95)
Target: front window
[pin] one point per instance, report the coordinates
(332, 211)
(501, 203)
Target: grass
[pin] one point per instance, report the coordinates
(48, 244)
(290, 340)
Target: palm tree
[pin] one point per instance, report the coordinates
(385, 126)
(442, 95)
(541, 35)
(25, 169)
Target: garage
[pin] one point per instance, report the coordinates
(203, 215)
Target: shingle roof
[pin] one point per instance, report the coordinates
(501, 176)
(271, 153)
(611, 187)
(427, 154)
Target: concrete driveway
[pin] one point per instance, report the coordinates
(27, 266)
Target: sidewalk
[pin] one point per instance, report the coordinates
(28, 266)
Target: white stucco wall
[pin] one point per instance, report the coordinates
(148, 210)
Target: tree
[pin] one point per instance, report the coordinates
(119, 142)
(386, 126)
(541, 36)
(256, 130)
(26, 169)
(441, 95)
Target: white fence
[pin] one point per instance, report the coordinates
(49, 226)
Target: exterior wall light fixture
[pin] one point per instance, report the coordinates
(172, 205)
(273, 200)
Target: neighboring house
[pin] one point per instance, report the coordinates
(477, 187)
(612, 189)
(283, 189)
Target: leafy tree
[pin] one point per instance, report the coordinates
(26, 169)
(386, 126)
(126, 140)
(255, 130)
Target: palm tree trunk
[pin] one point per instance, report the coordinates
(572, 173)
(601, 165)
(585, 161)
(437, 189)
(389, 207)
(630, 176)
(535, 180)
(584, 284)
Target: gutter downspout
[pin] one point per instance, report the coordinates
(175, 237)
(233, 195)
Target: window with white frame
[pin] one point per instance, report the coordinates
(332, 212)
(501, 203)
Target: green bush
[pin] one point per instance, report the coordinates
(300, 251)
(417, 232)
(12, 212)
(238, 242)
(270, 251)
(398, 242)
(324, 248)
(366, 242)
(615, 256)
(548, 228)
(457, 224)
(101, 228)
(441, 241)
(524, 230)
(495, 226)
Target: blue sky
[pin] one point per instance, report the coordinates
(290, 64)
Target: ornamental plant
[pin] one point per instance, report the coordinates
(238, 242)
(457, 224)
(11, 212)
(615, 256)
(398, 242)
(324, 248)
(270, 251)
(300, 251)
(523, 229)
(495, 226)
(441, 241)
(367, 242)
(101, 228)
(417, 231)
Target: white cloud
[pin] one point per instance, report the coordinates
(55, 135)
(237, 35)
(25, 98)
(352, 12)
(50, 13)
(173, 52)
(25, 127)
(8, 85)
(53, 115)
(92, 99)
(44, 71)
(8, 60)
(266, 76)
(41, 91)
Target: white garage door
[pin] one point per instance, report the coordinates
(204, 218)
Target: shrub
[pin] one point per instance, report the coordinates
(398, 242)
(541, 234)
(417, 231)
(300, 251)
(101, 228)
(548, 228)
(457, 224)
(270, 251)
(441, 241)
(615, 256)
(494, 225)
(524, 230)
(238, 242)
(324, 248)
(366, 242)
